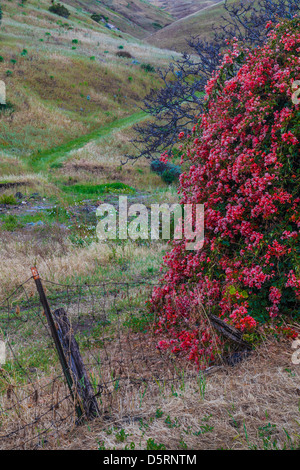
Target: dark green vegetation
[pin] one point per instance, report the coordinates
(59, 10)
(168, 171)
(99, 189)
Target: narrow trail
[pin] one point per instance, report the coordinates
(42, 160)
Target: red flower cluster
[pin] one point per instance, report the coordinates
(243, 160)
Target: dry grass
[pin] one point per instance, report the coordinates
(59, 260)
(63, 104)
(148, 401)
(7, 162)
(197, 24)
(22, 402)
(180, 9)
(252, 404)
(100, 162)
(135, 17)
(24, 178)
(25, 183)
(56, 91)
(235, 413)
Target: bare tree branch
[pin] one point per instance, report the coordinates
(174, 106)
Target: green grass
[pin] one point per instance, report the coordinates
(98, 189)
(10, 223)
(42, 160)
(38, 358)
(8, 199)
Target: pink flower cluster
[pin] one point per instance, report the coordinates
(275, 297)
(243, 165)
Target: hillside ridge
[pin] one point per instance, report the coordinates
(180, 9)
(200, 23)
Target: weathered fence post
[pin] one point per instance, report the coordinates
(69, 356)
(79, 373)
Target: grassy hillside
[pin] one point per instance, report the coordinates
(181, 8)
(73, 91)
(136, 17)
(66, 77)
(200, 24)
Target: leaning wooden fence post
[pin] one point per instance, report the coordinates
(79, 373)
(68, 366)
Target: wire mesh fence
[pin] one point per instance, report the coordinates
(117, 343)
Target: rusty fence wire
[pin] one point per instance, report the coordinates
(115, 334)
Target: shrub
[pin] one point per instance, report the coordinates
(7, 108)
(157, 25)
(60, 10)
(148, 67)
(8, 199)
(168, 171)
(172, 174)
(124, 54)
(244, 157)
(158, 166)
(96, 17)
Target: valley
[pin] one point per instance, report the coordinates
(179, 9)
(75, 81)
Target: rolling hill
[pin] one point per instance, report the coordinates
(181, 8)
(136, 17)
(67, 77)
(200, 24)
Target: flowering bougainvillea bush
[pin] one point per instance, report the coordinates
(243, 159)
